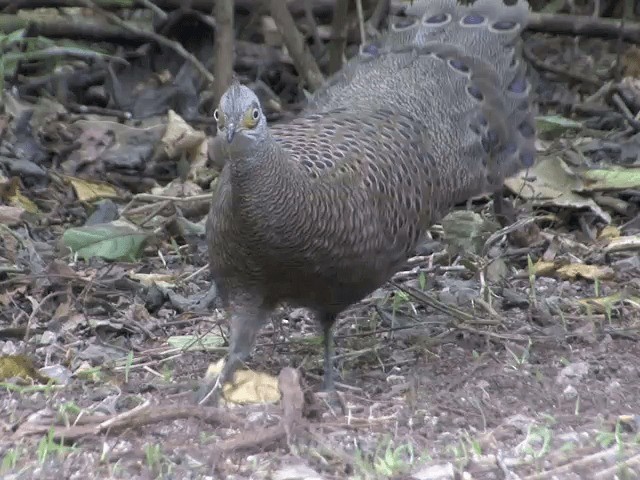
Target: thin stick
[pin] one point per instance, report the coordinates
(298, 49)
(363, 37)
(223, 47)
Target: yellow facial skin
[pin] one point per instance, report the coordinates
(250, 118)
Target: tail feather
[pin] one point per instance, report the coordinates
(489, 30)
(483, 38)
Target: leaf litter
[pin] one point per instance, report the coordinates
(484, 356)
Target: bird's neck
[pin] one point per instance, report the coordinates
(261, 173)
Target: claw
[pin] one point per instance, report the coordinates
(209, 392)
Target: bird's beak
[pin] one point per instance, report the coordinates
(231, 131)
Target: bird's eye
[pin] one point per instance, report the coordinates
(219, 118)
(251, 117)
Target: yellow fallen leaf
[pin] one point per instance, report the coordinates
(19, 366)
(247, 386)
(90, 190)
(613, 178)
(21, 201)
(589, 272)
(542, 268)
(602, 304)
(148, 279)
(13, 196)
(609, 232)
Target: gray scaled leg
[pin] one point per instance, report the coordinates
(326, 322)
(247, 317)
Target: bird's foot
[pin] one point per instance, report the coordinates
(209, 392)
(333, 400)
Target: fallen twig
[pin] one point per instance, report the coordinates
(139, 416)
(587, 462)
(339, 35)
(430, 301)
(566, 24)
(292, 403)
(223, 47)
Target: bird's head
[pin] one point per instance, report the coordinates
(239, 114)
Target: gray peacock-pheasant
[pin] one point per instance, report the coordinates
(321, 210)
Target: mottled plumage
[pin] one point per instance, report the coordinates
(321, 210)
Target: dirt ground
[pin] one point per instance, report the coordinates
(531, 395)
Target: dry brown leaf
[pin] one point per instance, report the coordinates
(181, 137)
(552, 182)
(10, 243)
(62, 311)
(178, 188)
(10, 215)
(6, 297)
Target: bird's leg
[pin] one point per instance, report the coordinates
(246, 321)
(502, 210)
(328, 386)
(326, 321)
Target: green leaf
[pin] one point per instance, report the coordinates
(615, 178)
(12, 37)
(554, 125)
(8, 65)
(112, 241)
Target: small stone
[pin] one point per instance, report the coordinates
(296, 472)
(435, 472)
(483, 384)
(570, 392)
(298, 314)
(572, 373)
(569, 437)
(396, 379)
(47, 337)
(613, 386)
(59, 373)
(9, 348)
(193, 462)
